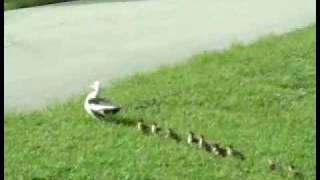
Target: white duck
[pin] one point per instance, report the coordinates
(99, 107)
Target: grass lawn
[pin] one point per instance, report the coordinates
(260, 98)
(15, 4)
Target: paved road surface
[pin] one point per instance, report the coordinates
(52, 52)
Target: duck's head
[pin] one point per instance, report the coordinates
(96, 85)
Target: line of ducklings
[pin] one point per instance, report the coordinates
(201, 142)
(292, 171)
(211, 147)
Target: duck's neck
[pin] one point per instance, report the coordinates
(93, 94)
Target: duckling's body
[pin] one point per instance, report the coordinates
(272, 165)
(203, 144)
(154, 128)
(171, 134)
(217, 150)
(142, 127)
(292, 171)
(230, 151)
(191, 139)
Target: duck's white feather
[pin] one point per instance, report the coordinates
(98, 106)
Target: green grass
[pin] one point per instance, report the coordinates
(15, 4)
(259, 98)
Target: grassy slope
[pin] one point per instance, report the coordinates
(260, 98)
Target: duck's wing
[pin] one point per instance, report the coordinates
(101, 104)
(100, 101)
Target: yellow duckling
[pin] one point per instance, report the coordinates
(203, 144)
(154, 128)
(230, 151)
(293, 172)
(142, 127)
(191, 138)
(217, 150)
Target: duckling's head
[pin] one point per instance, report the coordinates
(214, 148)
(291, 167)
(270, 161)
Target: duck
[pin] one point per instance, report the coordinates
(98, 107)
(142, 127)
(202, 144)
(191, 138)
(171, 134)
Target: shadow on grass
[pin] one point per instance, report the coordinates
(122, 121)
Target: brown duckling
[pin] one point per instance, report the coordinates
(272, 165)
(171, 134)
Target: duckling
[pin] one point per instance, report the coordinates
(272, 165)
(191, 139)
(154, 128)
(292, 171)
(214, 149)
(203, 144)
(230, 151)
(142, 127)
(171, 134)
(217, 150)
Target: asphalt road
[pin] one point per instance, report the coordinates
(52, 52)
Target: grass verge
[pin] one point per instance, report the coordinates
(260, 98)
(15, 4)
